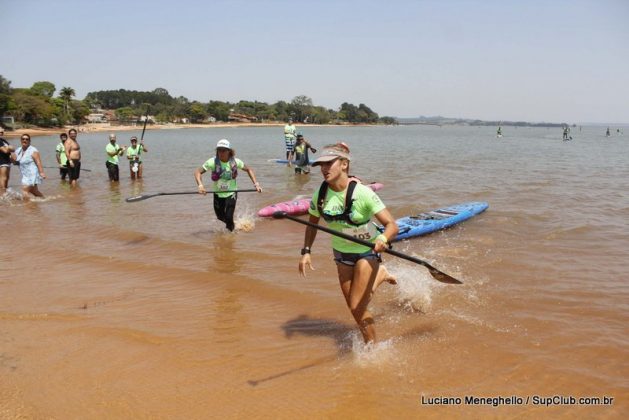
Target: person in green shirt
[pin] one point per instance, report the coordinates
(302, 160)
(113, 152)
(62, 159)
(224, 168)
(358, 267)
(134, 155)
(289, 140)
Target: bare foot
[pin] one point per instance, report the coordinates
(382, 276)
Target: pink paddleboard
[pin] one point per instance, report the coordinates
(299, 207)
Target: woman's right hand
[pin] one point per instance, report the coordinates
(304, 262)
(201, 189)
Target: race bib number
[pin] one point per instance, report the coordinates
(366, 232)
(222, 185)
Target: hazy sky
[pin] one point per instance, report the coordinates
(554, 60)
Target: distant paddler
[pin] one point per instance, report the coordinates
(302, 160)
(499, 132)
(224, 167)
(607, 134)
(289, 139)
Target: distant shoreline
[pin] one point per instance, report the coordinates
(97, 128)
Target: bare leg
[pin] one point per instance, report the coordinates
(5, 172)
(356, 283)
(31, 189)
(383, 275)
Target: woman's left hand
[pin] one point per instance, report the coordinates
(381, 244)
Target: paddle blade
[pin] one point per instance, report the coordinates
(138, 198)
(443, 277)
(279, 214)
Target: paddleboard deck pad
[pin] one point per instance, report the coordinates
(432, 221)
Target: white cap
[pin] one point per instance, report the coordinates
(223, 143)
(332, 152)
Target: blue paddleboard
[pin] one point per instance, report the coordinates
(286, 161)
(435, 220)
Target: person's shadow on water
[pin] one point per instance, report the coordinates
(339, 332)
(304, 325)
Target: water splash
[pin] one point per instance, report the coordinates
(414, 287)
(10, 197)
(372, 354)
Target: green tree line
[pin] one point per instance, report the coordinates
(38, 105)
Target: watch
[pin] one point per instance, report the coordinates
(305, 250)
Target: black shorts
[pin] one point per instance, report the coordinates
(74, 173)
(350, 259)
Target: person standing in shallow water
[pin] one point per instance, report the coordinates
(113, 151)
(224, 168)
(134, 155)
(289, 140)
(358, 267)
(73, 153)
(6, 151)
(62, 159)
(30, 166)
(302, 160)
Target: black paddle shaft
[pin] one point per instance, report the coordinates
(437, 274)
(146, 196)
(146, 118)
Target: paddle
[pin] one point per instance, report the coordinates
(437, 274)
(146, 118)
(56, 167)
(145, 196)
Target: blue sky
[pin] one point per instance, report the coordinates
(555, 61)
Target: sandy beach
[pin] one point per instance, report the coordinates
(95, 128)
(106, 127)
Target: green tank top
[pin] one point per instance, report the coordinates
(366, 205)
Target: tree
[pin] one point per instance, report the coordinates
(125, 114)
(66, 93)
(46, 89)
(219, 110)
(31, 108)
(197, 112)
(78, 110)
(388, 120)
(301, 107)
(5, 95)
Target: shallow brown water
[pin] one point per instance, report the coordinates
(151, 310)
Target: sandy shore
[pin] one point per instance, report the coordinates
(90, 128)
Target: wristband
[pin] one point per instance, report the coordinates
(382, 238)
(305, 250)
